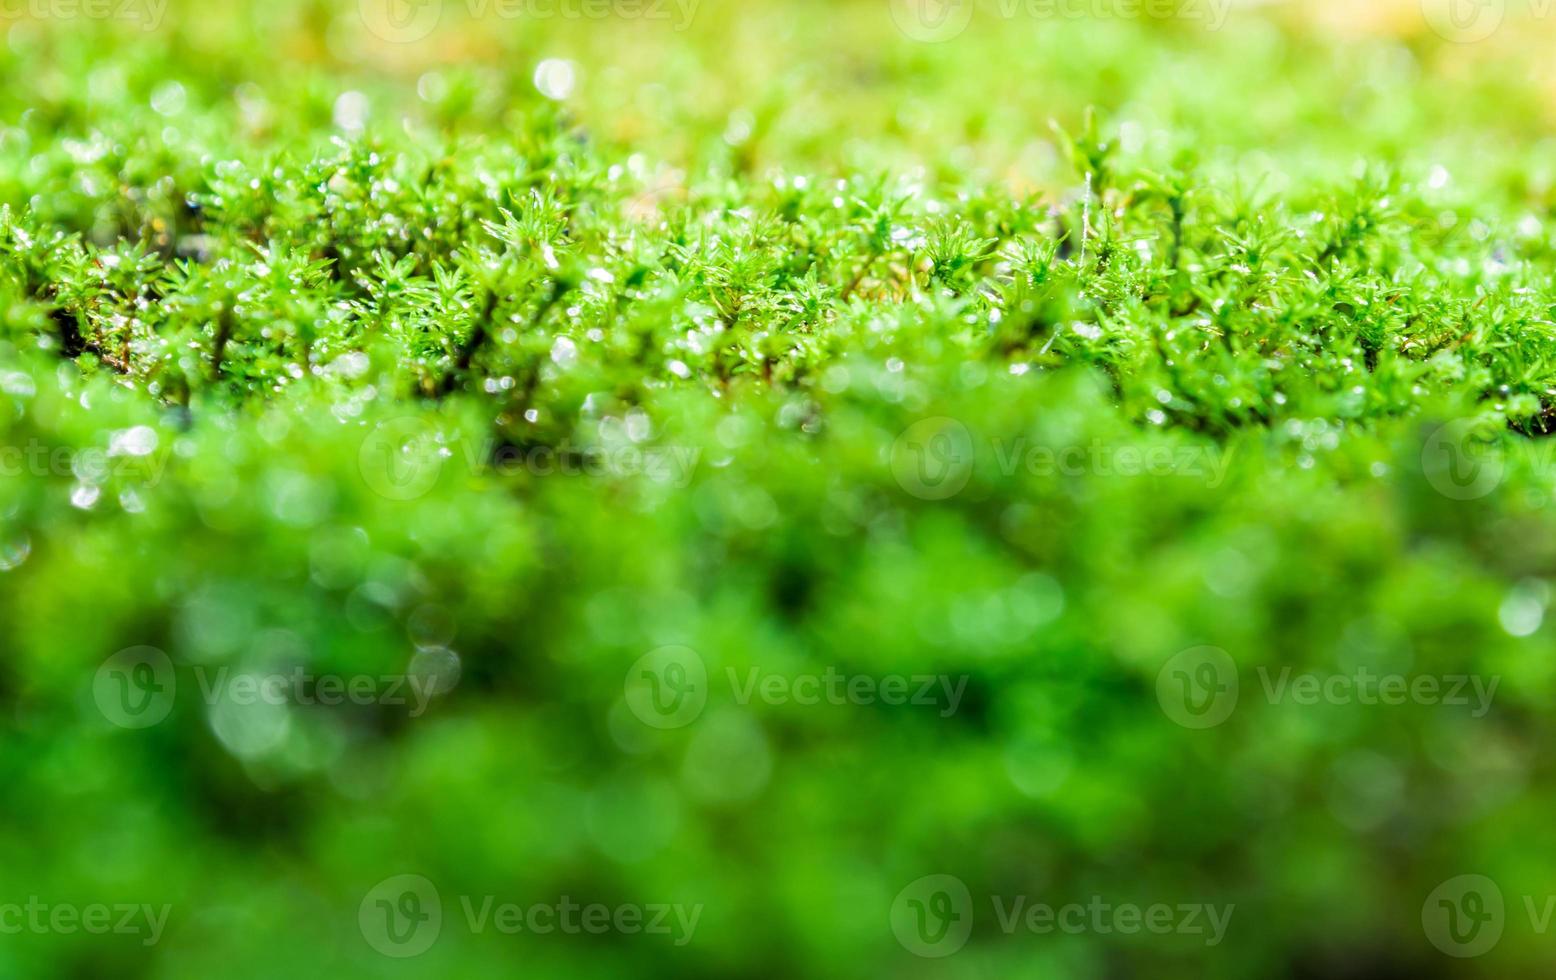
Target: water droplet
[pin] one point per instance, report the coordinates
(14, 551)
(1523, 610)
(556, 78)
(139, 441)
(169, 99)
(351, 111)
(564, 353)
(435, 671)
(248, 716)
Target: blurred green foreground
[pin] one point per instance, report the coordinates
(718, 489)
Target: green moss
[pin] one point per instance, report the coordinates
(801, 369)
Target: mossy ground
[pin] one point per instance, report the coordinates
(1031, 362)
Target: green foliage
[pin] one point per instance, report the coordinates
(799, 344)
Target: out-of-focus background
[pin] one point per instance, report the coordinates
(625, 705)
(1290, 87)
